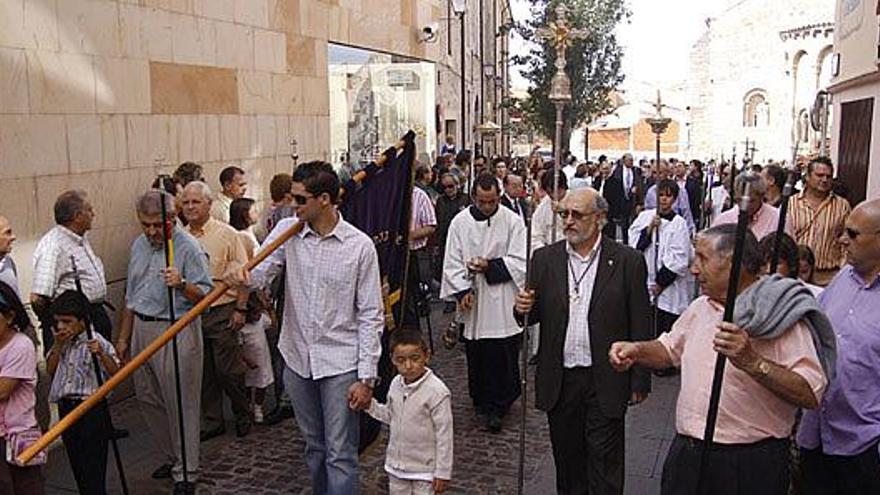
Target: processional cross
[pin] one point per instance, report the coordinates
(561, 34)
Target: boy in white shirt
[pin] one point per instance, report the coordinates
(419, 411)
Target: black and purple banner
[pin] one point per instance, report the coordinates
(380, 207)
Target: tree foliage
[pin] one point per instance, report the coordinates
(594, 63)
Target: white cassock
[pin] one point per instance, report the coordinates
(501, 238)
(675, 253)
(542, 225)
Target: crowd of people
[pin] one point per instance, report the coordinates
(629, 273)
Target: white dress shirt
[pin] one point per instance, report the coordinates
(333, 312)
(576, 351)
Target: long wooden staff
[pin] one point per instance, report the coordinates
(99, 377)
(137, 361)
(168, 246)
(732, 287)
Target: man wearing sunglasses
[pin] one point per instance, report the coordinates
(840, 453)
(586, 291)
(333, 318)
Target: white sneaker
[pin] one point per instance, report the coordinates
(258, 414)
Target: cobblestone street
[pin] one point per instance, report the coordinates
(270, 459)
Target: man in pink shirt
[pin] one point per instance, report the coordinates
(763, 218)
(766, 381)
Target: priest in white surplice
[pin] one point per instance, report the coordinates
(670, 282)
(484, 268)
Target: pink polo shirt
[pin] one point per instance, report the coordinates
(763, 223)
(18, 360)
(748, 412)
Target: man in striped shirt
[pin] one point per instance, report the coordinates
(817, 217)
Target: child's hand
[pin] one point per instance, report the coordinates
(440, 486)
(95, 348)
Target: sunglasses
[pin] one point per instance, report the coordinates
(854, 234)
(300, 199)
(448, 186)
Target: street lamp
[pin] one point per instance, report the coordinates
(488, 129)
(460, 9)
(658, 123)
(561, 34)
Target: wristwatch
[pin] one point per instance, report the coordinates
(763, 368)
(370, 382)
(182, 284)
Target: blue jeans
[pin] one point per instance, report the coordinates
(330, 429)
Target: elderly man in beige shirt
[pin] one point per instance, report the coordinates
(765, 383)
(224, 369)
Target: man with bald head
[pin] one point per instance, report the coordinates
(224, 369)
(8, 270)
(839, 440)
(585, 400)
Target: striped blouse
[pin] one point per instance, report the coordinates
(820, 228)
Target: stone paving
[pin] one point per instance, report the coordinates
(270, 459)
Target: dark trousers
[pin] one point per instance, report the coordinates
(665, 320)
(415, 296)
(493, 373)
(611, 229)
(15, 480)
(86, 445)
(759, 468)
(844, 475)
(588, 447)
(223, 370)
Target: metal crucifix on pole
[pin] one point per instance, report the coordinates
(561, 34)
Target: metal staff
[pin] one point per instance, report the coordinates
(168, 244)
(732, 286)
(100, 379)
(524, 353)
(655, 297)
(780, 226)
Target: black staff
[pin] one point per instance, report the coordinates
(524, 353)
(100, 378)
(780, 226)
(656, 296)
(733, 284)
(168, 245)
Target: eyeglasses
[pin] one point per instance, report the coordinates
(300, 199)
(854, 234)
(577, 215)
(448, 186)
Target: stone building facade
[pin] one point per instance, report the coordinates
(754, 75)
(855, 92)
(103, 95)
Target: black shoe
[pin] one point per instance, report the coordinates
(278, 415)
(119, 433)
(184, 488)
(162, 472)
(494, 423)
(216, 432)
(533, 360)
(242, 429)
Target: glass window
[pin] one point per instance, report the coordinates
(375, 98)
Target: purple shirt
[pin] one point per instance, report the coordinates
(848, 419)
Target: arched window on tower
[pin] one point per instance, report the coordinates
(756, 110)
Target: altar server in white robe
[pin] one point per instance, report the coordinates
(669, 283)
(483, 269)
